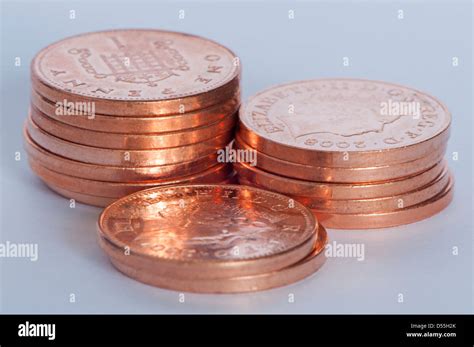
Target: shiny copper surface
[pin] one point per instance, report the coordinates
(340, 123)
(131, 141)
(386, 203)
(384, 219)
(335, 191)
(210, 231)
(138, 125)
(281, 277)
(137, 72)
(114, 173)
(128, 158)
(214, 174)
(101, 201)
(344, 175)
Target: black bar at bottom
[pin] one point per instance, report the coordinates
(449, 330)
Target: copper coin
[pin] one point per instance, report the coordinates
(101, 201)
(118, 189)
(288, 275)
(382, 219)
(388, 203)
(344, 123)
(131, 141)
(210, 231)
(339, 191)
(114, 173)
(137, 125)
(343, 175)
(139, 72)
(130, 158)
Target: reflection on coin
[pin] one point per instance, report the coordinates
(344, 123)
(130, 158)
(210, 231)
(114, 173)
(381, 219)
(382, 204)
(131, 141)
(213, 174)
(335, 191)
(343, 175)
(137, 72)
(284, 276)
(138, 125)
(101, 201)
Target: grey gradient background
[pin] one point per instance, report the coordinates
(415, 260)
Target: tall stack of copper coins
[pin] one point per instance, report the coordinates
(212, 238)
(361, 154)
(115, 112)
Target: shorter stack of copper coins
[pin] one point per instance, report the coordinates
(361, 154)
(212, 238)
(115, 112)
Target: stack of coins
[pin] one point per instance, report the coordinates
(115, 112)
(212, 238)
(360, 154)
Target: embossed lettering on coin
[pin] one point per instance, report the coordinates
(343, 115)
(135, 65)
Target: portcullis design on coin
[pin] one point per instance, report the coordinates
(139, 66)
